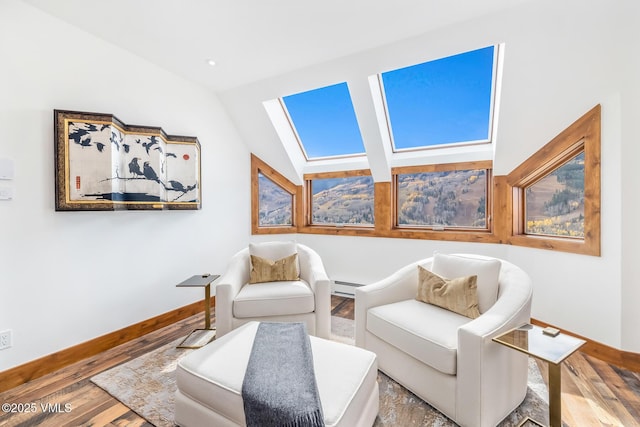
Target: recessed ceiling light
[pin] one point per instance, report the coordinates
(211, 62)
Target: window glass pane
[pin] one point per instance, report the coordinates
(555, 204)
(275, 203)
(342, 200)
(441, 102)
(449, 199)
(325, 121)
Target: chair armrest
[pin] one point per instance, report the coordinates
(234, 278)
(313, 272)
(312, 269)
(399, 286)
(512, 309)
(486, 365)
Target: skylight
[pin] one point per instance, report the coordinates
(441, 102)
(325, 122)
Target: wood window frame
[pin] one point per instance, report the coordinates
(383, 207)
(464, 234)
(342, 229)
(505, 197)
(260, 167)
(582, 135)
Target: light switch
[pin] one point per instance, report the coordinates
(6, 193)
(7, 169)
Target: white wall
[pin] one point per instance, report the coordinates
(561, 59)
(67, 277)
(354, 260)
(630, 178)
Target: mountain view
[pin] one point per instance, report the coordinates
(343, 200)
(554, 205)
(275, 203)
(450, 198)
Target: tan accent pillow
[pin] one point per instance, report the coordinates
(274, 250)
(265, 270)
(487, 270)
(458, 295)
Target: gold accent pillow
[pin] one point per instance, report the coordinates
(458, 295)
(265, 270)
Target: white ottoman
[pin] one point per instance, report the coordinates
(210, 382)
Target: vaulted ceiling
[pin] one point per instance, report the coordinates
(267, 49)
(256, 39)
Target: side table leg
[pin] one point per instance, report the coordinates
(207, 307)
(555, 402)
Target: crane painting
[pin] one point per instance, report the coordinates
(104, 164)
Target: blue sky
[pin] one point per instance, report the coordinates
(438, 102)
(442, 101)
(325, 121)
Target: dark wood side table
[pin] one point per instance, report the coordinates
(531, 340)
(201, 280)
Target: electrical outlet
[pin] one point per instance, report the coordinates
(5, 339)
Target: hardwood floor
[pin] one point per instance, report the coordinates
(594, 393)
(342, 307)
(90, 405)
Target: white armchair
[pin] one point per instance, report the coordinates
(449, 360)
(306, 300)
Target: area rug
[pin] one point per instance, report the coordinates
(147, 386)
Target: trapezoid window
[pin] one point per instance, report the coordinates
(275, 203)
(554, 205)
(324, 122)
(556, 192)
(273, 200)
(441, 102)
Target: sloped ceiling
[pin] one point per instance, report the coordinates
(256, 39)
(267, 49)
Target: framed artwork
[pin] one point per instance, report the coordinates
(104, 164)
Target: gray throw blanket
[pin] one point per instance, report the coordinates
(279, 388)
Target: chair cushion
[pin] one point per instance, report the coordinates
(433, 339)
(487, 270)
(274, 299)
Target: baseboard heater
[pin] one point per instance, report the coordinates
(346, 289)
